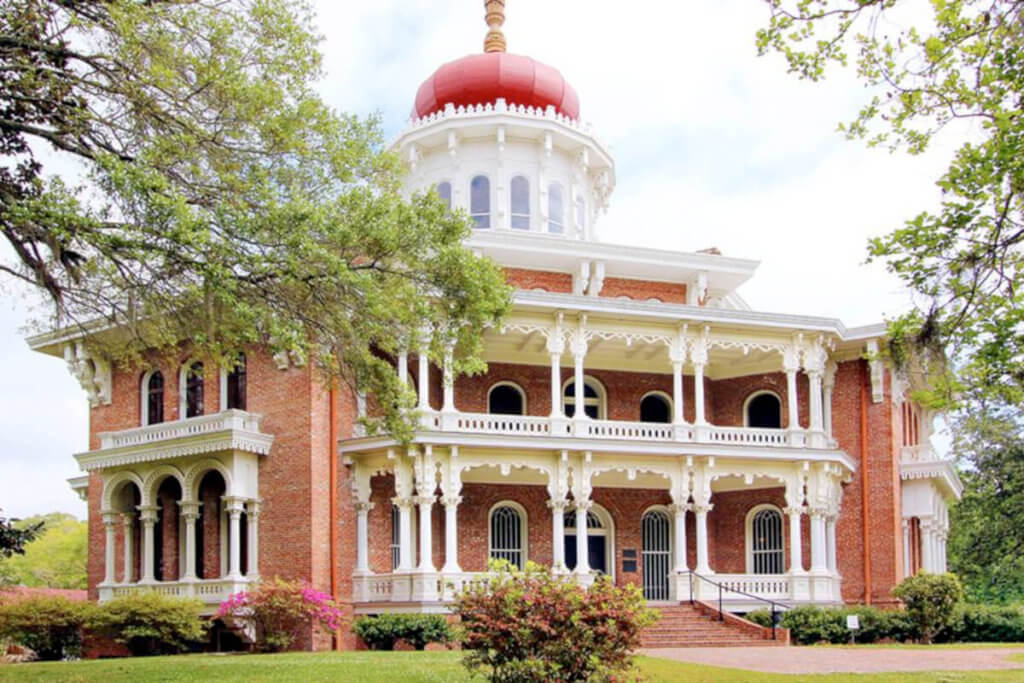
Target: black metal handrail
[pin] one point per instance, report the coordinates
(722, 588)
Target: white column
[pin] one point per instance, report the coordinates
(699, 358)
(830, 382)
(791, 364)
(252, 520)
(556, 385)
(817, 418)
(582, 546)
(403, 368)
(189, 515)
(404, 533)
(128, 531)
(927, 556)
(558, 533)
(426, 504)
(362, 537)
(796, 553)
(818, 565)
(449, 381)
(148, 516)
(234, 510)
(679, 563)
(830, 544)
(701, 516)
(423, 380)
(110, 523)
(906, 547)
(677, 392)
(451, 534)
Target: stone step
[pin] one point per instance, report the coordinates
(688, 625)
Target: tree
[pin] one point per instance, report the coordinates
(14, 537)
(222, 201)
(56, 558)
(959, 71)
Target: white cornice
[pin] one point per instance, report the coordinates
(942, 471)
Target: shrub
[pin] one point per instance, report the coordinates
(50, 626)
(279, 612)
(383, 631)
(984, 624)
(533, 626)
(930, 600)
(810, 625)
(149, 623)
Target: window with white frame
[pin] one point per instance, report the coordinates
(507, 538)
(593, 398)
(556, 209)
(152, 390)
(193, 390)
(765, 551)
(506, 398)
(480, 201)
(234, 384)
(444, 191)
(520, 202)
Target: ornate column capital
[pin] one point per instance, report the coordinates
(679, 508)
(148, 513)
(127, 518)
(364, 506)
(558, 505)
(424, 500)
(791, 358)
(253, 508)
(111, 518)
(698, 508)
(584, 505)
(234, 505)
(449, 501)
(819, 511)
(797, 510)
(404, 502)
(189, 510)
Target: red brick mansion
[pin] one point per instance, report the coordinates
(638, 419)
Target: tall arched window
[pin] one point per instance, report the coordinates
(765, 553)
(396, 537)
(507, 540)
(556, 209)
(236, 384)
(153, 395)
(194, 390)
(444, 191)
(656, 554)
(763, 410)
(593, 398)
(600, 540)
(480, 201)
(520, 203)
(505, 398)
(655, 408)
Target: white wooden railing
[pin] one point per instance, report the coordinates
(209, 591)
(193, 426)
(630, 431)
(920, 453)
(747, 436)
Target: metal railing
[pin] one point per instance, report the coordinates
(776, 607)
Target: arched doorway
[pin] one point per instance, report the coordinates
(656, 554)
(600, 541)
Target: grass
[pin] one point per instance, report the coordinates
(395, 667)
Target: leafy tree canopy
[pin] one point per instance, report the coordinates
(962, 63)
(221, 200)
(55, 558)
(14, 536)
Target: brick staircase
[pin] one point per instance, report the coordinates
(698, 625)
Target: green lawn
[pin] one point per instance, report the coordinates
(394, 667)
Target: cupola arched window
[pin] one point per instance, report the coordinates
(655, 407)
(507, 538)
(506, 398)
(444, 191)
(194, 390)
(593, 398)
(763, 410)
(764, 541)
(480, 201)
(153, 394)
(236, 378)
(556, 209)
(520, 196)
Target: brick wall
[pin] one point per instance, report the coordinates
(642, 290)
(522, 278)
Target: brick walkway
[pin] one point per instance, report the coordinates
(810, 660)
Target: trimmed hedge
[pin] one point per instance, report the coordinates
(984, 624)
(151, 624)
(50, 626)
(383, 631)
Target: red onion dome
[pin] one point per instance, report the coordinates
(483, 78)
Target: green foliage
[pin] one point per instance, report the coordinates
(14, 536)
(50, 625)
(964, 64)
(383, 631)
(280, 612)
(930, 601)
(984, 624)
(149, 623)
(531, 625)
(224, 202)
(811, 625)
(55, 558)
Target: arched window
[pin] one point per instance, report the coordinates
(444, 191)
(153, 398)
(654, 407)
(480, 201)
(763, 410)
(581, 213)
(506, 398)
(656, 554)
(600, 540)
(507, 540)
(194, 390)
(520, 197)
(235, 389)
(593, 398)
(556, 209)
(765, 554)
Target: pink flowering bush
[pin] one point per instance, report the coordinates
(279, 612)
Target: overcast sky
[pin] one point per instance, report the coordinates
(713, 147)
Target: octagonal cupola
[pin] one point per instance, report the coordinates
(499, 135)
